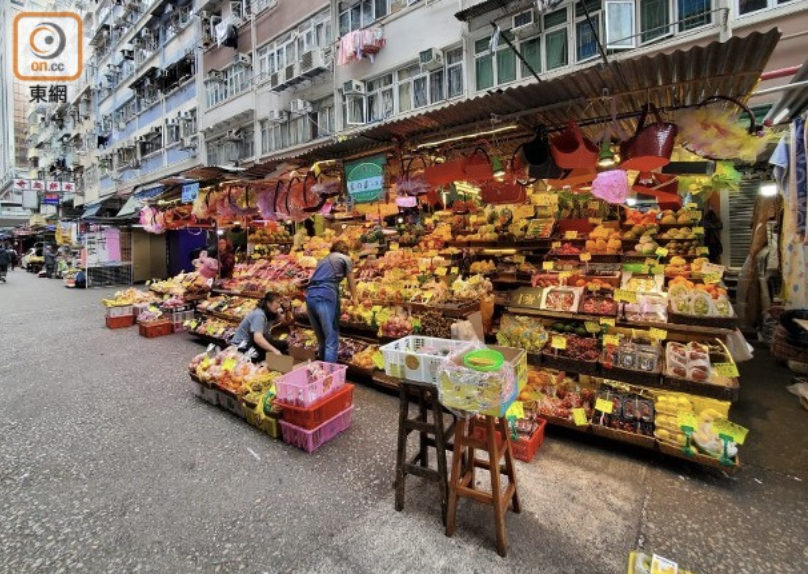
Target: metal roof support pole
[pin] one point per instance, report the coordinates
(595, 33)
(518, 53)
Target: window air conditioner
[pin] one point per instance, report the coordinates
(524, 24)
(277, 116)
(353, 88)
(243, 60)
(431, 59)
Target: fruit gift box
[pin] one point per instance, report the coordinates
(564, 299)
(599, 302)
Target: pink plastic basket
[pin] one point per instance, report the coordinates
(311, 440)
(300, 389)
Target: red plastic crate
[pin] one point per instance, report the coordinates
(524, 449)
(154, 329)
(311, 440)
(321, 411)
(120, 322)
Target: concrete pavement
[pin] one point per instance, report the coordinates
(109, 464)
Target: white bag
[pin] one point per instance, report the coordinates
(738, 347)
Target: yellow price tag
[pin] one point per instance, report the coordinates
(376, 308)
(571, 235)
(613, 340)
(585, 257)
(710, 278)
(592, 327)
(658, 334)
(206, 362)
(687, 419)
(607, 321)
(579, 417)
(547, 265)
(625, 295)
(695, 215)
(229, 364)
(593, 205)
(703, 251)
(558, 342)
(394, 246)
(454, 270)
(518, 258)
(661, 252)
(564, 275)
(593, 286)
(698, 231)
(595, 220)
(726, 427)
(378, 360)
(556, 245)
(516, 410)
(422, 266)
(428, 295)
(604, 406)
(441, 271)
(726, 369)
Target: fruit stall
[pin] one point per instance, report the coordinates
(582, 246)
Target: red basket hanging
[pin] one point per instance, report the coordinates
(651, 146)
(478, 166)
(446, 173)
(412, 183)
(663, 186)
(571, 150)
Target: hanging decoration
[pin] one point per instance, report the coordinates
(611, 186)
(718, 134)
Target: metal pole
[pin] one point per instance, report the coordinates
(518, 54)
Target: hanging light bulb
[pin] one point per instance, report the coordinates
(606, 155)
(496, 167)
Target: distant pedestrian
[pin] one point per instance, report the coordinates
(5, 261)
(50, 262)
(227, 258)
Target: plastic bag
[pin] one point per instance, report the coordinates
(466, 391)
(738, 347)
(464, 331)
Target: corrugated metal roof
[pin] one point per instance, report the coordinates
(670, 80)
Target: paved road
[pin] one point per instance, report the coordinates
(108, 464)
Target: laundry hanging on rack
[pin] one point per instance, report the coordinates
(359, 44)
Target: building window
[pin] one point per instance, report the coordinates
(556, 39)
(188, 123)
(586, 39)
(454, 73)
(324, 125)
(654, 19)
(380, 98)
(495, 70)
(749, 6)
(694, 14)
(362, 15)
(172, 130)
(246, 148)
(236, 79)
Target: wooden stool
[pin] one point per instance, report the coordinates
(427, 396)
(462, 482)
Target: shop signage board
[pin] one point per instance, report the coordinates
(190, 191)
(50, 199)
(365, 178)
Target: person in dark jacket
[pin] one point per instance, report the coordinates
(50, 262)
(227, 258)
(5, 261)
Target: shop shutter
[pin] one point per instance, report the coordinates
(741, 210)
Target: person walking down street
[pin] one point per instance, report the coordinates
(227, 258)
(322, 298)
(50, 262)
(253, 330)
(5, 261)
(712, 235)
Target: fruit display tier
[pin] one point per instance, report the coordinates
(695, 331)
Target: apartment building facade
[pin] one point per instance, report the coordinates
(246, 83)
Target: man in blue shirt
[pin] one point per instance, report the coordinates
(322, 298)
